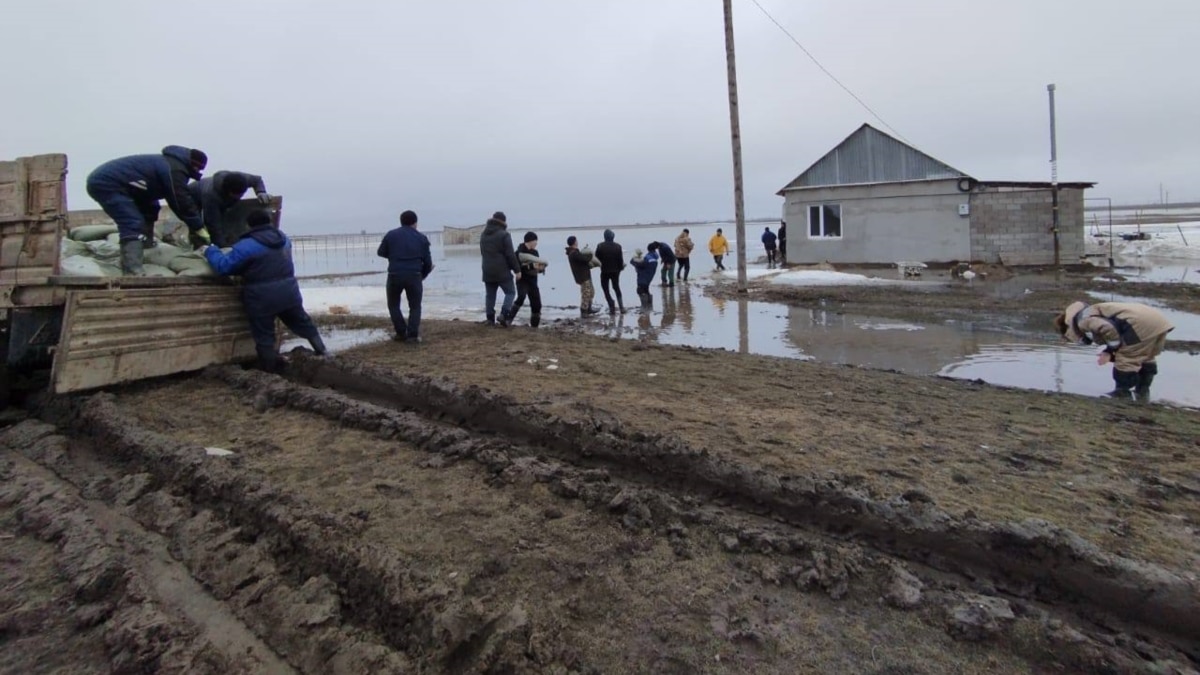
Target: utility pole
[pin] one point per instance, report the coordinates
(735, 134)
(1054, 175)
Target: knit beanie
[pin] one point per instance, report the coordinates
(530, 236)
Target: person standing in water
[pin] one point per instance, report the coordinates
(527, 286)
(683, 254)
(612, 262)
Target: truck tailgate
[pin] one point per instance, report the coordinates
(115, 335)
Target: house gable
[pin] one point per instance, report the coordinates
(870, 156)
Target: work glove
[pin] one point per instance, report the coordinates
(199, 238)
(264, 198)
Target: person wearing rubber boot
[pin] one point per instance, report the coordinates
(409, 262)
(499, 265)
(581, 270)
(666, 260)
(218, 194)
(129, 189)
(532, 265)
(612, 262)
(683, 254)
(646, 265)
(263, 258)
(1132, 334)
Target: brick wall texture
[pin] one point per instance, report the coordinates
(1013, 226)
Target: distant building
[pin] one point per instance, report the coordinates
(875, 199)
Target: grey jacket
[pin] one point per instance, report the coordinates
(211, 199)
(499, 257)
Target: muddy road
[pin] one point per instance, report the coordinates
(513, 501)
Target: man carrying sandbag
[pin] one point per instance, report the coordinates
(263, 258)
(129, 189)
(219, 193)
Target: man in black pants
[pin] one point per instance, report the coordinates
(409, 262)
(782, 242)
(612, 261)
(527, 286)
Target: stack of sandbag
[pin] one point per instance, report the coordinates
(95, 251)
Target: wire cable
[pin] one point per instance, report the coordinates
(826, 71)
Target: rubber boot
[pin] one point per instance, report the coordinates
(612, 309)
(620, 304)
(131, 257)
(1145, 379)
(318, 345)
(535, 320)
(491, 318)
(269, 360)
(1125, 381)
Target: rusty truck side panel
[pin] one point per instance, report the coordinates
(119, 335)
(33, 208)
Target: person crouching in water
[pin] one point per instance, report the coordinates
(646, 266)
(263, 258)
(1133, 335)
(581, 269)
(527, 286)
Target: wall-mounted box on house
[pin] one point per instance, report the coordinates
(964, 209)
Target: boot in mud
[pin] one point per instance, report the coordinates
(269, 361)
(1126, 382)
(535, 320)
(1145, 379)
(318, 345)
(491, 318)
(131, 257)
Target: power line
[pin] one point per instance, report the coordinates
(826, 71)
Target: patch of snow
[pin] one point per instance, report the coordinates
(826, 278)
(217, 452)
(551, 367)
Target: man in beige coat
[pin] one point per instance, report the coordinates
(1133, 336)
(683, 254)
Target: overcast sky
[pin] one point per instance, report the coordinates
(568, 112)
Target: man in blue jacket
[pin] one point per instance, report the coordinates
(263, 258)
(768, 240)
(409, 262)
(128, 189)
(646, 266)
(219, 193)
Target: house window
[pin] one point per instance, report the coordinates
(825, 221)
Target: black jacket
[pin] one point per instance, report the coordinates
(149, 178)
(665, 254)
(529, 273)
(581, 267)
(611, 257)
(499, 258)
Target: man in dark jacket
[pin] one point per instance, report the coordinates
(768, 240)
(581, 270)
(782, 242)
(499, 266)
(532, 265)
(667, 259)
(409, 262)
(263, 258)
(219, 193)
(128, 189)
(612, 261)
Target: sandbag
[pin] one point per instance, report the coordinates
(152, 270)
(104, 250)
(114, 238)
(190, 261)
(205, 271)
(70, 247)
(83, 266)
(92, 232)
(162, 255)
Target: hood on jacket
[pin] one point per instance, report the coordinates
(493, 225)
(183, 156)
(1069, 318)
(609, 235)
(268, 236)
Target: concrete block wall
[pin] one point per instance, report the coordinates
(1013, 226)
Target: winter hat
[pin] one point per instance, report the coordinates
(259, 218)
(408, 218)
(1067, 324)
(198, 158)
(637, 254)
(530, 236)
(609, 235)
(571, 240)
(499, 215)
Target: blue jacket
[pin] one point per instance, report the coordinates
(768, 240)
(149, 178)
(407, 251)
(646, 268)
(263, 258)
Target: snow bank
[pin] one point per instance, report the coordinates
(827, 278)
(1165, 242)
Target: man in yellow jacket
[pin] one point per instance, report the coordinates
(1133, 335)
(718, 246)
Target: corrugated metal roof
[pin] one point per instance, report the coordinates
(870, 156)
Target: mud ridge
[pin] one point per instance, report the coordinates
(110, 594)
(374, 590)
(815, 563)
(1032, 559)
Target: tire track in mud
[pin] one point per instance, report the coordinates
(1032, 560)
